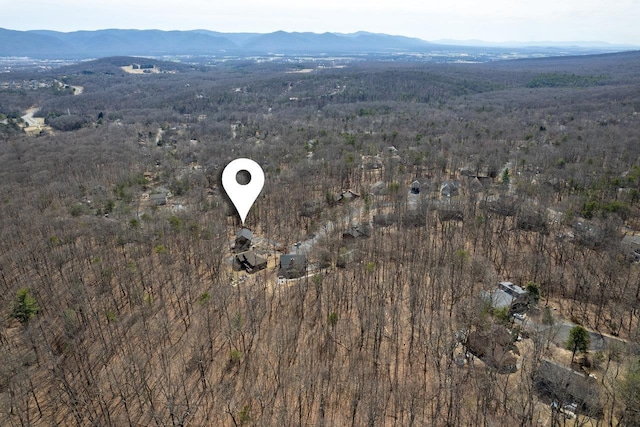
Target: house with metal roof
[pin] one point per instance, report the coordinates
(507, 295)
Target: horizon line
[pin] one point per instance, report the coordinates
(445, 40)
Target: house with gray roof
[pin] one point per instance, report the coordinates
(347, 196)
(507, 295)
(420, 184)
(415, 187)
(357, 232)
(379, 189)
(249, 262)
(449, 189)
(292, 266)
(159, 198)
(243, 240)
(631, 247)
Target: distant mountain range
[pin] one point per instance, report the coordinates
(114, 42)
(548, 44)
(101, 43)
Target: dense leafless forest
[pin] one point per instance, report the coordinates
(413, 190)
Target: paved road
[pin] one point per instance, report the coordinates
(306, 246)
(38, 122)
(33, 121)
(598, 341)
(560, 333)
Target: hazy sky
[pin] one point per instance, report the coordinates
(615, 21)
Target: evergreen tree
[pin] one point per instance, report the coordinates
(506, 177)
(578, 340)
(25, 306)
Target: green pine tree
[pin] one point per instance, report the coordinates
(578, 340)
(506, 177)
(24, 306)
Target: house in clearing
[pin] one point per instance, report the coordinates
(357, 232)
(508, 296)
(345, 196)
(449, 189)
(243, 240)
(249, 262)
(420, 185)
(292, 266)
(159, 197)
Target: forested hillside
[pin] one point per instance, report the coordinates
(122, 304)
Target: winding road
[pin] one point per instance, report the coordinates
(38, 122)
(33, 121)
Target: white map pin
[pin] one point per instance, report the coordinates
(241, 195)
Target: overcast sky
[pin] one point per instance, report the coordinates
(614, 21)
